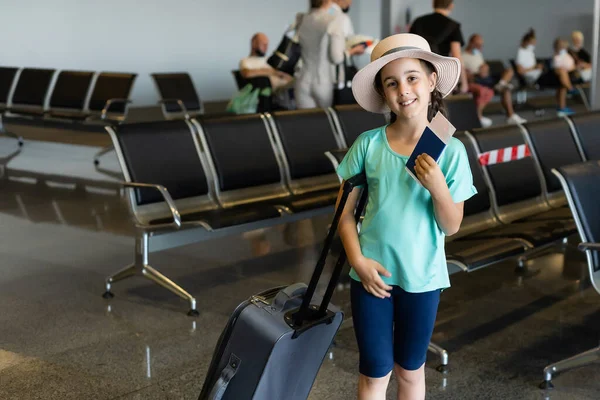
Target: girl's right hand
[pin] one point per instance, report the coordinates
(368, 271)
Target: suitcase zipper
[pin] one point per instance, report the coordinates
(256, 299)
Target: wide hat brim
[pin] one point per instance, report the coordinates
(448, 71)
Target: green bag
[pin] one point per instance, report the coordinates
(246, 100)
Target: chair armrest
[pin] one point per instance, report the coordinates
(110, 102)
(339, 154)
(179, 102)
(336, 157)
(589, 246)
(165, 193)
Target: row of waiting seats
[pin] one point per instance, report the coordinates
(64, 95)
(79, 95)
(219, 175)
(215, 176)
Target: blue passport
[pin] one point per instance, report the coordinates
(433, 141)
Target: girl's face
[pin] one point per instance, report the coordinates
(407, 87)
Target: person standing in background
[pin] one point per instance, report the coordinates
(323, 47)
(342, 7)
(346, 70)
(443, 34)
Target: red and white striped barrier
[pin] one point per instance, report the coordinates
(504, 155)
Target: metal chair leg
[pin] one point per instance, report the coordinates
(168, 284)
(126, 272)
(556, 247)
(141, 265)
(579, 360)
(102, 152)
(438, 350)
(583, 97)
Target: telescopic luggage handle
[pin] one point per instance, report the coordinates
(349, 185)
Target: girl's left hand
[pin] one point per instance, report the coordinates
(430, 174)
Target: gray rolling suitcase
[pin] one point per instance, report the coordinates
(275, 342)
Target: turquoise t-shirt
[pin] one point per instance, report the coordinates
(399, 229)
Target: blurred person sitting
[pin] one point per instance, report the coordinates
(566, 74)
(583, 60)
(478, 72)
(256, 64)
(526, 61)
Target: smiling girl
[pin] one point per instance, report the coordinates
(398, 260)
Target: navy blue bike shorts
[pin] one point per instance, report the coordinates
(397, 329)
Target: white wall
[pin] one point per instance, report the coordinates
(366, 17)
(503, 23)
(203, 37)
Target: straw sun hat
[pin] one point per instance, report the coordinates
(403, 45)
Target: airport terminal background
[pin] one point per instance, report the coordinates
(66, 225)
